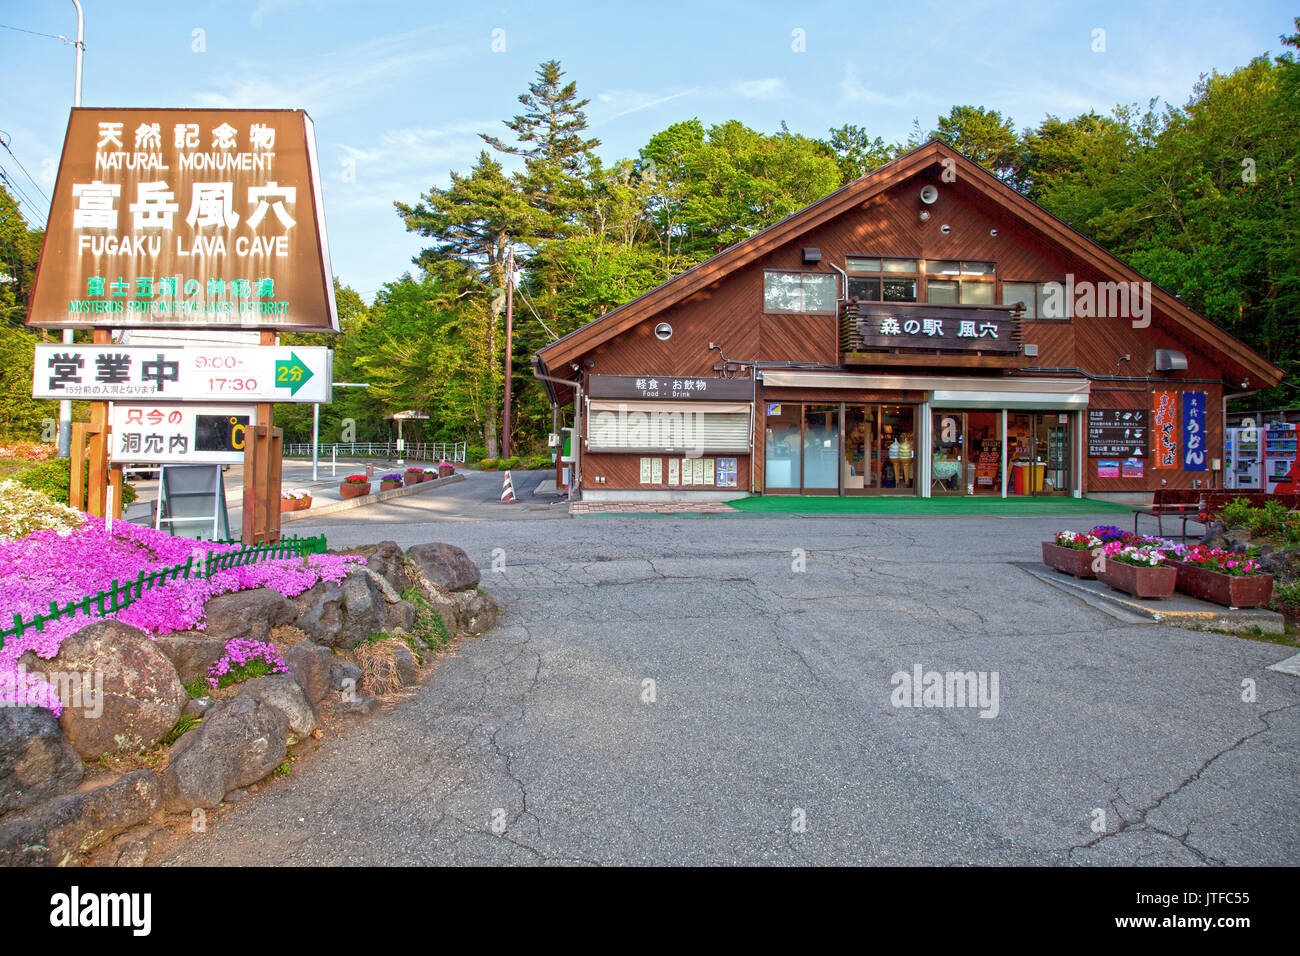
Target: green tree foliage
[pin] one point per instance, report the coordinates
(21, 416)
(985, 135)
(856, 153)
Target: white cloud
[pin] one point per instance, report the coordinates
(328, 82)
(622, 102)
(765, 89)
(852, 90)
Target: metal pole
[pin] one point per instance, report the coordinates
(510, 337)
(65, 406)
(315, 440)
(334, 461)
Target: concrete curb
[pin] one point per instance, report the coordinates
(1189, 613)
(369, 499)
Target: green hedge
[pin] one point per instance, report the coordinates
(54, 478)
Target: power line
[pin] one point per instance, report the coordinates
(534, 311)
(21, 166)
(5, 26)
(37, 217)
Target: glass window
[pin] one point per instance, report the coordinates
(898, 290)
(947, 469)
(1051, 301)
(977, 293)
(898, 265)
(1022, 292)
(864, 288)
(799, 292)
(941, 291)
(821, 447)
(859, 264)
(782, 445)
(942, 267)
(977, 268)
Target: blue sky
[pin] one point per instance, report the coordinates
(398, 91)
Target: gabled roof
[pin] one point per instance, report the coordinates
(699, 277)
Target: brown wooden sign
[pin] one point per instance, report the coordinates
(919, 326)
(194, 218)
(671, 388)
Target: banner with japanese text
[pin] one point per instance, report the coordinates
(1194, 431)
(193, 218)
(1164, 431)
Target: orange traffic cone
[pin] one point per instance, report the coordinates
(507, 489)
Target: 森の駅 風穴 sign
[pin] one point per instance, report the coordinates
(147, 373)
(186, 218)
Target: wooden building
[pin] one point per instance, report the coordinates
(924, 330)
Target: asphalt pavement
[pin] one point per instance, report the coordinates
(714, 690)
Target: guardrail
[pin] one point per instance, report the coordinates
(412, 451)
(120, 596)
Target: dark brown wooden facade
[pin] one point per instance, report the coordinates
(716, 312)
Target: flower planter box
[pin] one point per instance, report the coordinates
(1143, 582)
(446, 471)
(413, 479)
(389, 485)
(1068, 560)
(294, 504)
(1230, 590)
(347, 490)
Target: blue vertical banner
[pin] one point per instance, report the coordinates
(1193, 431)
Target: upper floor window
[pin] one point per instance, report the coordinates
(1042, 300)
(882, 280)
(800, 292)
(952, 282)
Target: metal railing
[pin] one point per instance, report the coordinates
(453, 451)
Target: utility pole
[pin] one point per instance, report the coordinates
(65, 406)
(510, 342)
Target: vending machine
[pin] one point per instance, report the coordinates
(1279, 456)
(1241, 457)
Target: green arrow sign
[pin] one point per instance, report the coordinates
(292, 375)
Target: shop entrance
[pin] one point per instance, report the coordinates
(840, 449)
(966, 450)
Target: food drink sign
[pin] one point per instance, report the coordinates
(1193, 431)
(1164, 446)
(194, 218)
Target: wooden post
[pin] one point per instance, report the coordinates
(263, 450)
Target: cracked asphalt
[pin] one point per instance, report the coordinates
(768, 735)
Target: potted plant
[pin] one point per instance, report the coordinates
(446, 469)
(354, 486)
(389, 482)
(1286, 598)
(414, 476)
(1138, 570)
(430, 475)
(1213, 574)
(1072, 553)
(295, 499)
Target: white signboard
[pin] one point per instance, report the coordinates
(190, 434)
(110, 373)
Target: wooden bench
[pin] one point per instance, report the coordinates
(1182, 503)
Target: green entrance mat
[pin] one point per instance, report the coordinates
(899, 505)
